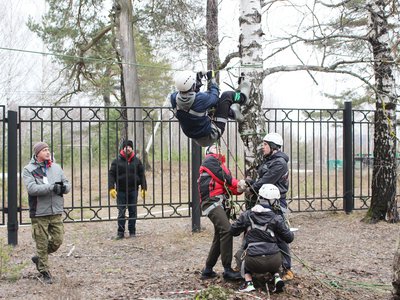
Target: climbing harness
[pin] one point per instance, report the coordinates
(259, 227)
(220, 202)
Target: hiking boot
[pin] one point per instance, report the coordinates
(229, 274)
(244, 89)
(132, 234)
(119, 236)
(287, 275)
(46, 277)
(238, 116)
(246, 287)
(278, 284)
(236, 269)
(35, 260)
(208, 273)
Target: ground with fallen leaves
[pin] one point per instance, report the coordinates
(335, 256)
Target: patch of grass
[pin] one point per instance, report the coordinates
(213, 292)
(8, 270)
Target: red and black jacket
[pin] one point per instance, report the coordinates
(215, 178)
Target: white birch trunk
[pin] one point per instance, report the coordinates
(253, 128)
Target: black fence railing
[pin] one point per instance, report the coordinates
(84, 141)
(3, 171)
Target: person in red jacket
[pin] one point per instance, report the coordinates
(215, 185)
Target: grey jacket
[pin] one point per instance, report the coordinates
(43, 201)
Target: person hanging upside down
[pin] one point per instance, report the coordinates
(192, 107)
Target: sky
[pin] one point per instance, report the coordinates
(21, 73)
(29, 71)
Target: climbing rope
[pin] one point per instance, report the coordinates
(330, 284)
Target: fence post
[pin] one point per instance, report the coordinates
(348, 158)
(196, 162)
(12, 181)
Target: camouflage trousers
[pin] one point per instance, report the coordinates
(48, 234)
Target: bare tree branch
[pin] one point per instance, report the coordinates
(332, 37)
(309, 73)
(96, 38)
(281, 49)
(295, 68)
(227, 59)
(340, 4)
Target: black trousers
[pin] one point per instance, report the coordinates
(224, 106)
(263, 264)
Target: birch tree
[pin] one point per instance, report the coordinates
(383, 202)
(357, 40)
(251, 55)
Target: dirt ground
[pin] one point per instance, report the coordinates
(335, 256)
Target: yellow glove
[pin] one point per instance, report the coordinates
(113, 193)
(143, 194)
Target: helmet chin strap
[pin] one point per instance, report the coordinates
(271, 152)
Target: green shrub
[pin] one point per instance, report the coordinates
(213, 292)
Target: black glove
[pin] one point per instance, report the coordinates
(63, 189)
(199, 75)
(199, 84)
(210, 75)
(58, 189)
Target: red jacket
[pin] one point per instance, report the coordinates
(215, 178)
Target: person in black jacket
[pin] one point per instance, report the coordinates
(274, 170)
(125, 176)
(262, 227)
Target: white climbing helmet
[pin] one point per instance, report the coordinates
(185, 80)
(275, 138)
(269, 192)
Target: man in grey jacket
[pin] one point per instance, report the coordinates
(46, 183)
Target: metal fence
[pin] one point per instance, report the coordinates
(84, 141)
(3, 171)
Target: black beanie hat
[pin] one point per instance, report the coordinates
(127, 143)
